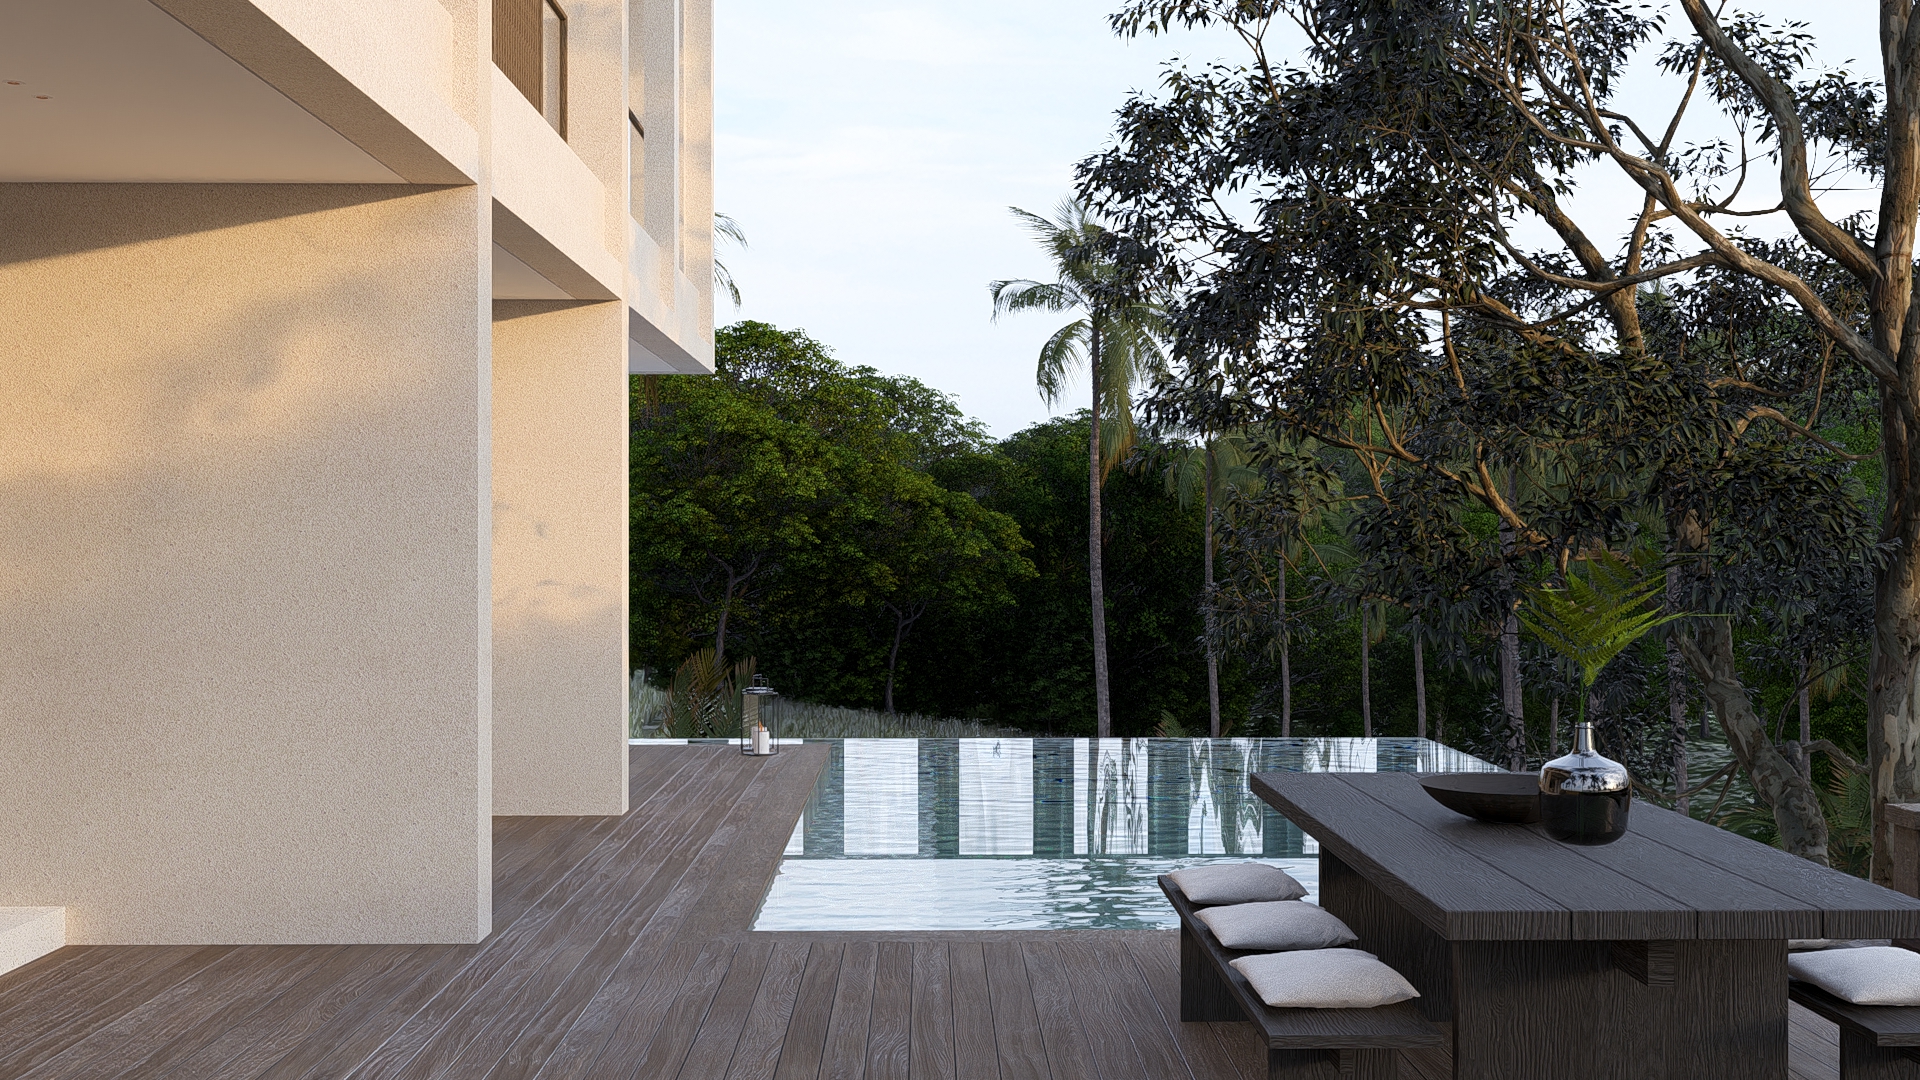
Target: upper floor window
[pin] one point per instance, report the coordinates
(530, 49)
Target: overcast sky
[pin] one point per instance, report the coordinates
(870, 149)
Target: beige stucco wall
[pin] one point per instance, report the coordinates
(560, 474)
(559, 558)
(245, 530)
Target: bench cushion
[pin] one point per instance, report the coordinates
(1324, 979)
(1236, 883)
(1876, 975)
(1276, 926)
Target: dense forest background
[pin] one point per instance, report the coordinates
(824, 509)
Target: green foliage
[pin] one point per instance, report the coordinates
(704, 701)
(1031, 665)
(785, 507)
(1596, 615)
(1121, 333)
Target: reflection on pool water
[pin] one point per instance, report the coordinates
(975, 834)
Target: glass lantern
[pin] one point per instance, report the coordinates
(759, 719)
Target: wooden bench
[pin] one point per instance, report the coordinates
(1302, 1044)
(1877, 1042)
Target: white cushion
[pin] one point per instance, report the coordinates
(1324, 979)
(1276, 926)
(1236, 883)
(1875, 975)
(1810, 944)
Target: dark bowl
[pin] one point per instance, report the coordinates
(1503, 797)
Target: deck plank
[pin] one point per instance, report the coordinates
(1210, 1049)
(158, 1032)
(1016, 1023)
(1102, 1012)
(758, 1052)
(845, 1056)
(1069, 1055)
(889, 1035)
(70, 1018)
(338, 996)
(806, 1041)
(622, 1017)
(726, 1018)
(680, 1025)
(652, 920)
(430, 1041)
(974, 1054)
(931, 1050)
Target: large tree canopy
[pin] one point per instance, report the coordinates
(1379, 248)
(787, 498)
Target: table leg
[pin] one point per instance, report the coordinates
(1388, 932)
(1561, 1009)
(1565, 1009)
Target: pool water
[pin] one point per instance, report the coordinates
(997, 834)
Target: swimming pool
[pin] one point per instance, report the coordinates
(995, 834)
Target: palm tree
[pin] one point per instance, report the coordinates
(725, 228)
(1118, 342)
(1213, 467)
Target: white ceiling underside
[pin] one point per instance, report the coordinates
(131, 95)
(515, 280)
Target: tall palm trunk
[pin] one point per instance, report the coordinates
(1102, 706)
(1286, 665)
(1366, 682)
(1419, 683)
(1213, 655)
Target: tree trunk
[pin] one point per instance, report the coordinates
(1213, 656)
(1512, 700)
(1102, 707)
(1286, 666)
(1553, 728)
(1806, 718)
(1709, 652)
(1419, 684)
(1893, 729)
(1366, 684)
(1677, 705)
(900, 622)
(1893, 706)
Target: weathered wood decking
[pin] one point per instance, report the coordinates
(621, 949)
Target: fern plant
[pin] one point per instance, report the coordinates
(1595, 617)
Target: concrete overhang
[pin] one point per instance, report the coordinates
(549, 210)
(664, 334)
(231, 91)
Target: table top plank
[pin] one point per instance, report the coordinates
(1728, 904)
(1850, 908)
(1418, 870)
(1603, 903)
(1670, 877)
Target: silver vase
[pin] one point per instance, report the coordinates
(1584, 796)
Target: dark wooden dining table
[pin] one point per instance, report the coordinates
(1663, 954)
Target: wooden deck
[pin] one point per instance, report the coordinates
(621, 949)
